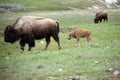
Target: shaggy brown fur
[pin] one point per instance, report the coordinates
(101, 15)
(27, 29)
(80, 33)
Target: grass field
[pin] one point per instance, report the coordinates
(70, 61)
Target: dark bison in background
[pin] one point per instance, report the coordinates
(101, 16)
(29, 28)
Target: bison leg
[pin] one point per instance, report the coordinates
(106, 19)
(88, 40)
(47, 42)
(78, 42)
(22, 45)
(29, 39)
(56, 38)
(100, 20)
(31, 42)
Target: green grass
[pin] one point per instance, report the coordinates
(70, 60)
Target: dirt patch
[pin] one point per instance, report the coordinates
(78, 78)
(4, 73)
(3, 69)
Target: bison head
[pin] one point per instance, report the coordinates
(10, 34)
(96, 20)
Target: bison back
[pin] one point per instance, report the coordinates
(42, 28)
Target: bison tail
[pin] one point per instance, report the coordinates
(57, 27)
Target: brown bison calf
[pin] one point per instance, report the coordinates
(80, 33)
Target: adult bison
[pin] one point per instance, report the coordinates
(101, 16)
(27, 29)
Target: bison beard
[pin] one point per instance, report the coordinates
(31, 30)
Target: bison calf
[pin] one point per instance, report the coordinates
(80, 33)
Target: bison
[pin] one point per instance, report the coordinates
(101, 16)
(80, 33)
(28, 28)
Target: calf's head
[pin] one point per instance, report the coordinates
(70, 35)
(10, 34)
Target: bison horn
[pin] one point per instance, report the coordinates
(9, 28)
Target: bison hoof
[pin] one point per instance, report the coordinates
(45, 48)
(22, 49)
(29, 49)
(59, 48)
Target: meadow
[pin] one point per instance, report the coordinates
(88, 62)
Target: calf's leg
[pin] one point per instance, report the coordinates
(88, 40)
(78, 42)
